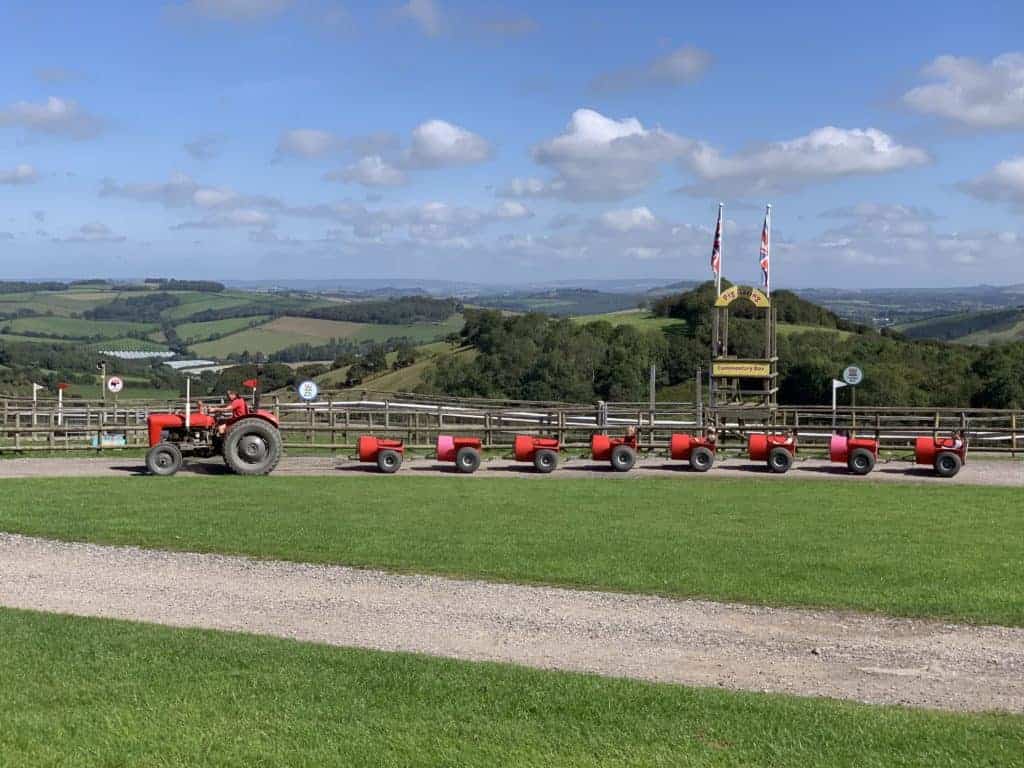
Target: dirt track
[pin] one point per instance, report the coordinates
(976, 472)
(809, 653)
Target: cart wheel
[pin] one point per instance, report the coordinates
(861, 461)
(467, 460)
(545, 461)
(389, 461)
(701, 459)
(779, 460)
(623, 458)
(947, 464)
(163, 459)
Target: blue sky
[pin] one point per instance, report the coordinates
(515, 142)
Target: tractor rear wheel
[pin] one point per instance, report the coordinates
(623, 458)
(947, 464)
(163, 459)
(467, 460)
(779, 460)
(545, 461)
(701, 459)
(861, 461)
(388, 461)
(252, 447)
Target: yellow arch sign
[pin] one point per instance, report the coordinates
(755, 296)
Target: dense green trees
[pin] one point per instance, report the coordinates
(141, 309)
(534, 357)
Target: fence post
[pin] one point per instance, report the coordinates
(1013, 435)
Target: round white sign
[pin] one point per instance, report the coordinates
(115, 384)
(308, 390)
(853, 375)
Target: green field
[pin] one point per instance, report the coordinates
(76, 328)
(194, 332)
(638, 318)
(644, 320)
(787, 329)
(89, 692)
(913, 550)
(288, 331)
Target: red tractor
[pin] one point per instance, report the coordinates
(250, 443)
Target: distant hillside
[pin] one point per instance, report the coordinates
(982, 328)
(562, 302)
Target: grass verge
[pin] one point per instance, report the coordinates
(91, 692)
(952, 551)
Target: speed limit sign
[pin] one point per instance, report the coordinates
(115, 384)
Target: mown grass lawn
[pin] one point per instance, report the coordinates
(915, 550)
(92, 692)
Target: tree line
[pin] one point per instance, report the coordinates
(535, 357)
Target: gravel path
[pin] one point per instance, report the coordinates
(810, 653)
(976, 472)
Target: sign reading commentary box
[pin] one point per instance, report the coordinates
(746, 369)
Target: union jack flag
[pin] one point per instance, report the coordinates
(716, 249)
(765, 250)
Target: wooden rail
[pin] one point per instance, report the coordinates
(335, 424)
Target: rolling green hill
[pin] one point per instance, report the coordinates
(982, 328)
(288, 331)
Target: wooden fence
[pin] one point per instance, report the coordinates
(335, 424)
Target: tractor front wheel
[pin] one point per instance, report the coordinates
(252, 447)
(163, 459)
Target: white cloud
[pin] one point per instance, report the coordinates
(512, 209)
(93, 232)
(54, 117)
(23, 173)
(973, 93)
(307, 143)
(528, 187)
(232, 10)
(182, 191)
(824, 154)
(425, 14)
(600, 158)
(678, 67)
(1004, 183)
(245, 218)
(901, 237)
(629, 220)
(437, 143)
(370, 171)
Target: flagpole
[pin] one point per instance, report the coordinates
(721, 248)
(768, 226)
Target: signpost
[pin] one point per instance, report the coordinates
(308, 390)
(852, 376)
(60, 402)
(115, 384)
